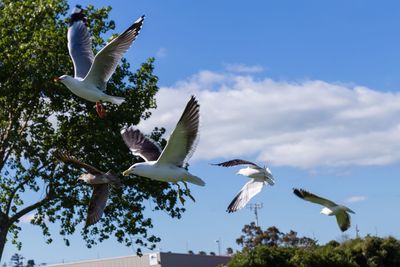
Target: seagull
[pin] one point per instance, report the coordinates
(331, 208)
(100, 182)
(170, 164)
(259, 175)
(93, 72)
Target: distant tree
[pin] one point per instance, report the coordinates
(30, 263)
(367, 252)
(229, 251)
(253, 236)
(190, 252)
(212, 253)
(38, 117)
(17, 260)
(202, 252)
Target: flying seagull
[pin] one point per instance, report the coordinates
(331, 208)
(170, 164)
(100, 182)
(259, 175)
(93, 72)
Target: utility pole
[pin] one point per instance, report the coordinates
(255, 207)
(219, 246)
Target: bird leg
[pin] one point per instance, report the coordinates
(100, 109)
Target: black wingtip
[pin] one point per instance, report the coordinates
(78, 15)
(298, 192)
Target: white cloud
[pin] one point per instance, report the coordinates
(306, 124)
(241, 68)
(27, 218)
(355, 199)
(161, 52)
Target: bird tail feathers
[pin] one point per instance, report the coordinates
(116, 100)
(195, 180)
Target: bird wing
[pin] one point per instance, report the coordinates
(140, 145)
(69, 159)
(106, 60)
(343, 220)
(80, 43)
(97, 203)
(248, 191)
(301, 193)
(235, 162)
(182, 142)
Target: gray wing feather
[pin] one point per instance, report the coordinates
(106, 60)
(97, 203)
(248, 191)
(343, 220)
(313, 198)
(80, 45)
(69, 159)
(140, 145)
(235, 162)
(183, 140)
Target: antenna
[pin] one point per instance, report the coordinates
(357, 232)
(255, 207)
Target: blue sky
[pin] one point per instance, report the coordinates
(308, 87)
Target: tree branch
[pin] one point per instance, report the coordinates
(18, 187)
(34, 206)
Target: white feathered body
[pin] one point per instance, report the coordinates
(333, 210)
(105, 178)
(164, 172)
(88, 91)
(258, 174)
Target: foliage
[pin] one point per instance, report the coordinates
(253, 236)
(17, 260)
(38, 117)
(367, 252)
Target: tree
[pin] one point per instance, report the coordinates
(229, 251)
(253, 235)
(38, 117)
(202, 252)
(30, 263)
(17, 260)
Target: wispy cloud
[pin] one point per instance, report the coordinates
(241, 68)
(300, 124)
(355, 199)
(27, 218)
(161, 52)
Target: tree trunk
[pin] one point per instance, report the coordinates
(4, 227)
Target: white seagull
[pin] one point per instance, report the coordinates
(260, 177)
(170, 164)
(100, 182)
(93, 72)
(331, 208)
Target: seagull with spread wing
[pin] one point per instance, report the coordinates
(93, 72)
(170, 164)
(260, 177)
(100, 182)
(330, 208)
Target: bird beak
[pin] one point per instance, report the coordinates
(56, 79)
(125, 173)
